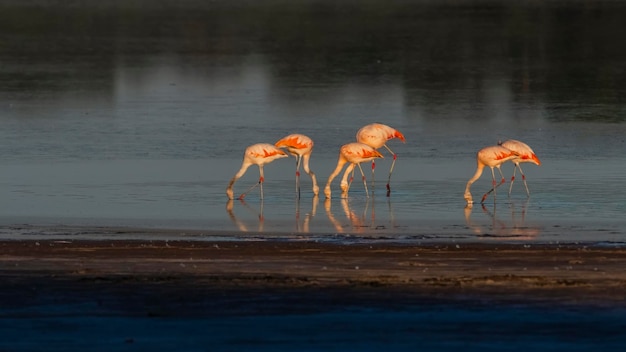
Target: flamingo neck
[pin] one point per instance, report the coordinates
(340, 163)
(238, 175)
(477, 174)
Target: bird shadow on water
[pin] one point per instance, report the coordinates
(497, 228)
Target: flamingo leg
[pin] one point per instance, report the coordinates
(298, 162)
(305, 165)
(493, 189)
(393, 163)
(502, 180)
(513, 179)
(261, 180)
(243, 195)
(260, 183)
(373, 168)
(494, 186)
(351, 177)
(493, 182)
(523, 179)
(364, 181)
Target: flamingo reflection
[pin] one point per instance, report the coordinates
(358, 222)
(241, 225)
(301, 225)
(515, 229)
(307, 217)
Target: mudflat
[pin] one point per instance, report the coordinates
(260, 295)
(565, 273)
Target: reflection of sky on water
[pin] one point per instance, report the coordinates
(135, 123)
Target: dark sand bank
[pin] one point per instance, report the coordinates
(289, 295)
(568, 273)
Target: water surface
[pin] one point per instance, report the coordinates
(137, 114)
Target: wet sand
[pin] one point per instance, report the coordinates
(566, 273)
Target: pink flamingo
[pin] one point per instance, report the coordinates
(256, 154)
(301, 147)
(524, 155)
(493, 157)
(355, 154)
(376, 136)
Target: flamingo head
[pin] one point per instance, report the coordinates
(327, 191)
(468, 198)
(399, 135)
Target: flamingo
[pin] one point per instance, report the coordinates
(525, 155)
(256, 154)
(376, 136)
(301, 147)
(354, 153)
(494, 157)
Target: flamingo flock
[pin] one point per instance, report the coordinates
(370, 138)
(494, 156)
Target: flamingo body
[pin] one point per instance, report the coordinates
(355, 154)
(256, 154)
(493, 157)
(301, 147)
(376, 136)
(525, 155)
(297, 144)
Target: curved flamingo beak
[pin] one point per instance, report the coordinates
(535, 159)
(400, 136)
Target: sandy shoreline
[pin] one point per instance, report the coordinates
(528, 272)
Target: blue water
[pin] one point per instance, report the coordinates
(137, 128)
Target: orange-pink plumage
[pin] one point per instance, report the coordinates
(256, 154)
(355, 154)
(301, 147)
(524, 155)
(376, 136)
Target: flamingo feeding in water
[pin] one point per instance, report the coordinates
(301, 147)
(355, 154)
(376, 136)
(494, 157)
(525, 155)
(256, 154)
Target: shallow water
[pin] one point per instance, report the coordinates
(137, 115)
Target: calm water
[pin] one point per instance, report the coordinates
(136, 113)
